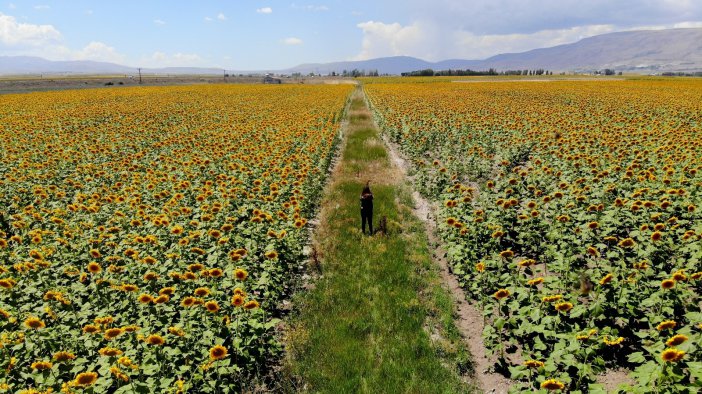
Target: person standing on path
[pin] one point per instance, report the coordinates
(367, 209)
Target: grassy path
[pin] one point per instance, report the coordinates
(377, 319)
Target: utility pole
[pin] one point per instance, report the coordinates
(224, 72)
(139, 76)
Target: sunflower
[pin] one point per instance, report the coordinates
(85, 379)
(118, 374)
(271, 254)
(656, 236)
(177, 331)
(526, 263)
(552, 298)
(533, 364)
(500, 294)
(155, 339)
(113, 333)
(150, 276)
(109, 352)
(239, 291)
(563, 306)
(592, 251)
(129, 288)
(505, 254)
(187, 302)
(253, 304)
(535, 281)
(7, 283)
(676, 340)
(612, 342)
(606, 279)
(627, 243)
(672, 355)
(64, 356)
(169, 291)
(237, 300)
(218, 352)
(94, 267)
(666, 325)
(552, 384)
(202, 291)
(480, 267)
(240, 274)
(91, 329)
(679, 276)
(42, 365)
(95, 253)
(212, 306)
(216, 272)
(34, 323)
(145, 299)
(668, 284)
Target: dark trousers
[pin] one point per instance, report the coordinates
(367, 216)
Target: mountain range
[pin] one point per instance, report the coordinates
(642, 51)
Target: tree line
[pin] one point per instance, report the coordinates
(472, 73)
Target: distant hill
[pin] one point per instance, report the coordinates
(632, 51)
(23, 65)
(650, 50)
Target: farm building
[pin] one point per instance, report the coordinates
(269, 79)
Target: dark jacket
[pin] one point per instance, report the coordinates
(367, 203)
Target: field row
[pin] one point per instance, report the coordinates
(571, 212)
(148, 236)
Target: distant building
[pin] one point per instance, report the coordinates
(269, 79)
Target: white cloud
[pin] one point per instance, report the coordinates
(11, 6)
(310, 7)
(159, 22)
(221, 17)
(472, 46)
(98, 51)
(686, 25)
(208, 19)
(162, 59)
(46, 41)
(41, 7)
(382, 39)
(265, 10)
(292, 41)
(433, 42)
(16, 34)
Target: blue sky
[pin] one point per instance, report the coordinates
(258, 35)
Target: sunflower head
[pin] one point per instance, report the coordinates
(218, 352)
(85, 379)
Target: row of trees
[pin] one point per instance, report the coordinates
(468, 72)
(355, 73)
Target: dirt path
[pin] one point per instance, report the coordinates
(469, 319)
(375, 318)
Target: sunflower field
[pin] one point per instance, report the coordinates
(571, 213)
(149, 236)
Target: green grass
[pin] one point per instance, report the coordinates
(365, 327)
